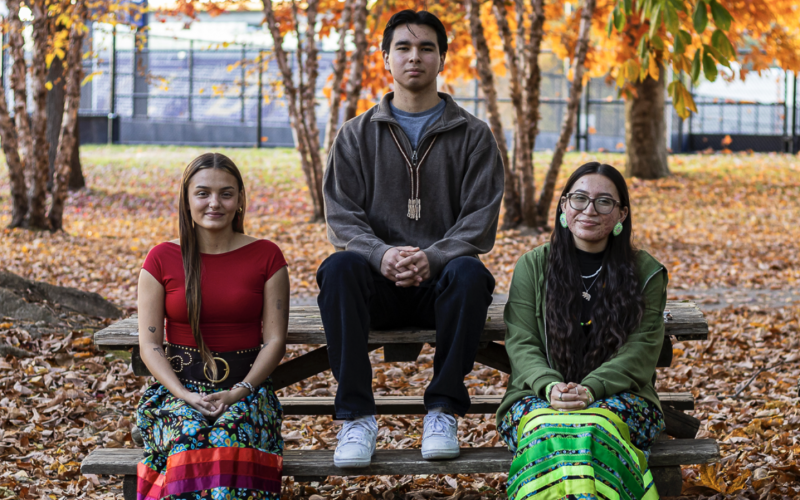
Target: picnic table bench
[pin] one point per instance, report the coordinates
(683, 322)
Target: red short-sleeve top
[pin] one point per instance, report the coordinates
(232, 287)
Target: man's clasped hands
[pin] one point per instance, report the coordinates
(405, 266)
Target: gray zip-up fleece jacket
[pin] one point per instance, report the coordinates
(367, 187)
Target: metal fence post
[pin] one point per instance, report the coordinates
(141, 88)
(795, 108)
(191, 78)
(475, 102)
(241, 93)
(260, 97)
(586, 127)
(3, 60)
(112, 87)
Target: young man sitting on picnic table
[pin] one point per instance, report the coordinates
(412, 196)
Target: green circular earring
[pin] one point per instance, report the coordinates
(563, 220)
(617, 229)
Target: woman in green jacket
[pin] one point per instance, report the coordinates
(585, 327)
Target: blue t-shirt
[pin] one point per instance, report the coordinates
(415, 124)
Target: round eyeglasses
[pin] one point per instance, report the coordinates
(602, 205)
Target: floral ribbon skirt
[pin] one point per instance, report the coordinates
(240, 456)
(597, 453)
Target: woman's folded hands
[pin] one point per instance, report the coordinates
(570, 396)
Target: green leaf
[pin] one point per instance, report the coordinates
(671, 17)
(655, 20)
(610, 24)
(628, 7)
(722, 18)
(700, 17)
(721, 42)
(678, 46)
(643, 47)
(671, 87)
(709, 67)
(657, 42)
(685, 36)
(679, 6)
(619, 19)
(719, 57)
(697, 64)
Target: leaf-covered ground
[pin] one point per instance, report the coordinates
(725, 226)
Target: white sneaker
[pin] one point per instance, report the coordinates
(356, 442)
(439, 439)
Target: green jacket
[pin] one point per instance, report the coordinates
(632, 369)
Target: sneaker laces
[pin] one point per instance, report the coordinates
(439, 423)
(356, 431)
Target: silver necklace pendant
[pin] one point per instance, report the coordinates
(586, 295)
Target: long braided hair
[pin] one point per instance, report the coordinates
(619, 306)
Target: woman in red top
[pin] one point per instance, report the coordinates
(212, 423)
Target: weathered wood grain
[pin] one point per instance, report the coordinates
(668, 480)
(679, 424)
(685, 321)
(413, 405)
(393, 462)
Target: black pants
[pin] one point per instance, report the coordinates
(353, 298)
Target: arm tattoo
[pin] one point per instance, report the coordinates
(159, 351)
(264, 345)
(278, 304)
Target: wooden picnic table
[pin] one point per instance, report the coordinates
(683, 322)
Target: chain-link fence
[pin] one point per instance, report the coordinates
(165, 90)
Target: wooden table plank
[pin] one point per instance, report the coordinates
(393, 462)
(685, 321)
(413, 405)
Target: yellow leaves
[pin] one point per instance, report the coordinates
(90, 77)
(726, 141)
(653, 68)
(82, 342)
(712, 479)
(5, 326)
(48, 59)
(48, 85)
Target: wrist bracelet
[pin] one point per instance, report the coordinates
(246, 385)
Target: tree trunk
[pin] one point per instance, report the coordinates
(69, 123)
(533, 83)
(339, 64)
(297, 115)
(483, 66)
(19, 86)
(76, 179)
(55, 112)
(645, 130)
(356, 75)
(309, 100)
(16, 172)
(568, 125)
(523, 155)
(38, 163)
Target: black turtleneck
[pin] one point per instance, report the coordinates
(589, 264)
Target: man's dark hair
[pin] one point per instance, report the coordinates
(406, 17)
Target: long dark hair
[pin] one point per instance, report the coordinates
(619, 305)
(190, 249)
